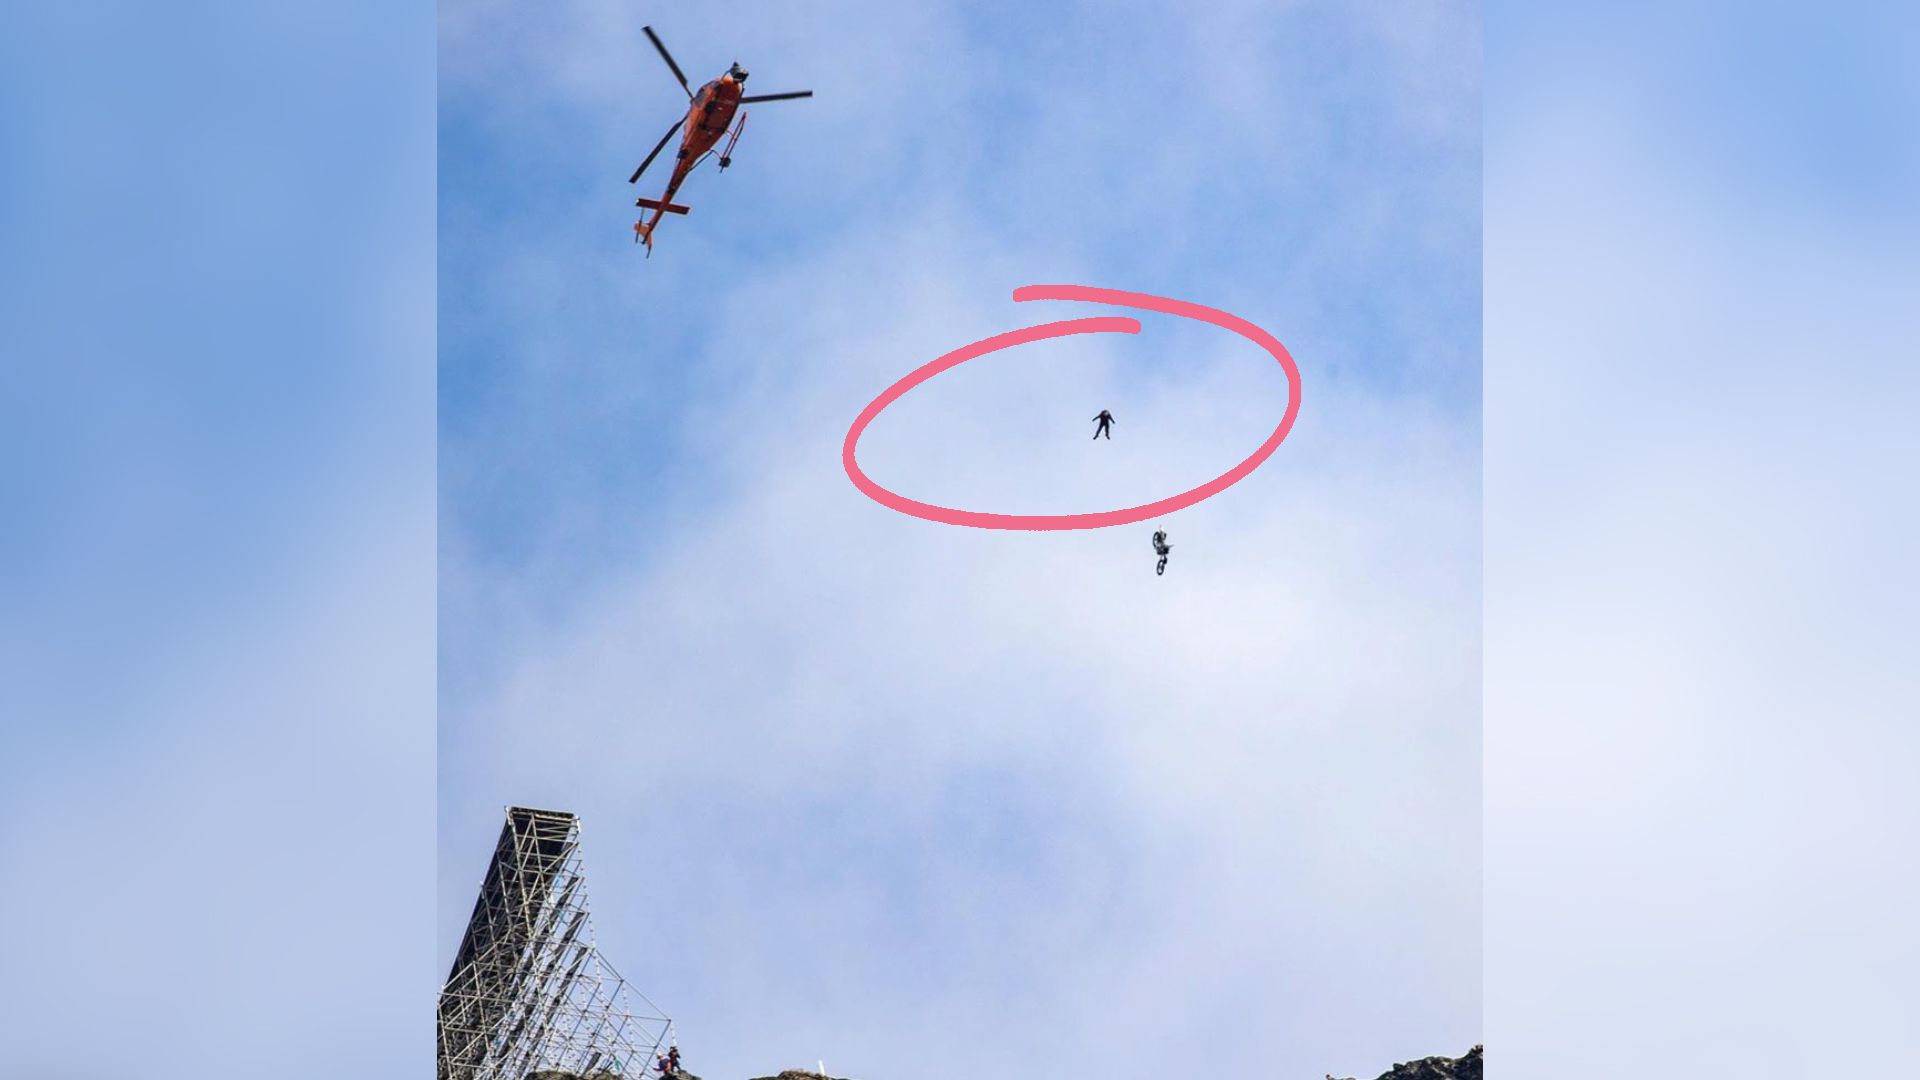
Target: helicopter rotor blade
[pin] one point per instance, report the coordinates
(776, 97)
(668, 57)
(661, 145)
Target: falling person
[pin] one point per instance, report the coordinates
(1104, 424)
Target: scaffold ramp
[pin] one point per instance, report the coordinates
(529, 991)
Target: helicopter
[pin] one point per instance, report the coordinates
(710, 112)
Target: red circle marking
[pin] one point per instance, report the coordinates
(1105, 324)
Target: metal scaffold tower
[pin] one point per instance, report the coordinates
(529, 992)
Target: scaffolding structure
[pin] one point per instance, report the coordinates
(529, 992)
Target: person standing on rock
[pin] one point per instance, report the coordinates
(1103, 425)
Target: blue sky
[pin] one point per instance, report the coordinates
(219, 555)
(914, 784)
(1138, 147)
(217, 547)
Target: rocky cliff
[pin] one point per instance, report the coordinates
(1465, 1067)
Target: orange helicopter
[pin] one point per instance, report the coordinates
(710, 111)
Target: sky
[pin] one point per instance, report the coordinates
(1699, 592)
(864, 789)
(951, 788)
(217, 548)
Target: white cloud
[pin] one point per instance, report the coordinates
(1275, 745)
(928, 795)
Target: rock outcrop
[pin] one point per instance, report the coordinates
(600, 1074)
(1465, 1067)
